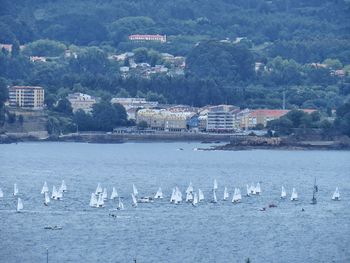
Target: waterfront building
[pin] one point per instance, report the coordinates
(80, 101)
(131, 105)
(137, 37)
(26, 97)
(221, 118)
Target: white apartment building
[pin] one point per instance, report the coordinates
(26, 97)
(80, 101)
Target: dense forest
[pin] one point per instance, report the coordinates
(300, 46)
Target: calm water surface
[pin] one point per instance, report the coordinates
(161, 232)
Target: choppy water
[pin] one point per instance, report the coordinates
(161, 232)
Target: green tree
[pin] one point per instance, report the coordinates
(64, 106)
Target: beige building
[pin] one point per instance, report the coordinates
(80, 101)
(221, 118)
(26, 97)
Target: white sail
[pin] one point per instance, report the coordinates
(200, 195)
(93, 200)
(54, 192)
(134, 190)
(120, 205)
(294, 196)
(100, 201)
(189, 197)
(134, 201)
(178, 195)
(252, 189)
(159, 194)
(248, 190)
(258, 189)
(195, 199)
(19, 205)
(59, 194)
(215, 186)
(236, 195)
(105, 194)
(226, 194)
(114, 193)
(98, 189)
(172, 198)
(15, 190)
(1, 193)
(63, 186)
(45, 189)
(336, 195)
(215, 200)
(189, 188)
(47, 198)
(283, 192)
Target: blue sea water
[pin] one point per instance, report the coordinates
(163, 232)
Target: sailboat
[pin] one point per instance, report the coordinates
(336, 195)
(159, 194)
(114, 193)
(294, 196)
(200, 195)
(120, 205)
(195, 199)
(189, 188)
(134, 190)
(98, 189)
(252, 189)
(215, 186)
(54, 193)
(248, 190)
(59, 194)
(172, 198)
(15, 190)
(226, 194)
(134, 201)
(215, 200)
(47, 199)
(45, 189)
(258, 189)
(100, 201)
(283, 193)
(63, 186)
(19, 205)
(178, 196)
(1, 193)
(189, 197)
(236, 196)
(105, 194)
(314, 191)
(93, 200)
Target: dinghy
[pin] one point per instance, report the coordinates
(105, 194)
(215, 186)
(189, 197)
(226, 194)
(59, 194)
(283, 193)
(258, 189)
(195, 199)
(15, 190)
(314, 191)
(45, 189)
(114, 193)
(100, 201)
(215, 200)
(98, 189)
(178, 196)
(200, 195)
(236, 196)
(63, 186)
(189, 188)
(47, 199)
(134, 201)
(248, 190)
(252, 189)
(294, 196)
(19, 205)
(173, 197)
(54, 193)
(159, 194)
(120, 205)
(134, 190)
(336, 195)
(93, 200)
(1, 193)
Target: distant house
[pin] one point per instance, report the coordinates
(31, 97)
(8, 47)
(221, 118)
(159, 38)
(131, 105)
(80, 101)
(37, 59)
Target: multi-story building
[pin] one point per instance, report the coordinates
(160, 38)
(26, 97)
(132, 104)
(80, 101)
(221, 118)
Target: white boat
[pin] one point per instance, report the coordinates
(63, 186)
(215, 186)
(248, 190)
(226, 194)
(19, 205)
(195, 199)
(54, 193)
(93, 200)
(114, 193)
(173, 197)
(47, 198)
(1, 193)
(15, 190)
(252, 189)
(98, 189)
(159, 194)
(59, 194)
(215, 200)
(189, 197)
(283, 193)
(236, 196)
(258, 189)
(294, 196)
(178, 196)
(120, 205)
(336, 195)
(189, 188)
(45, 189)
(200, 195)
(134, 190)
(134, 201)
(100, 201)
(105, 194)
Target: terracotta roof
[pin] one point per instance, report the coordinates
(267, 112)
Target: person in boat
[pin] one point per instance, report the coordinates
(302, 210)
